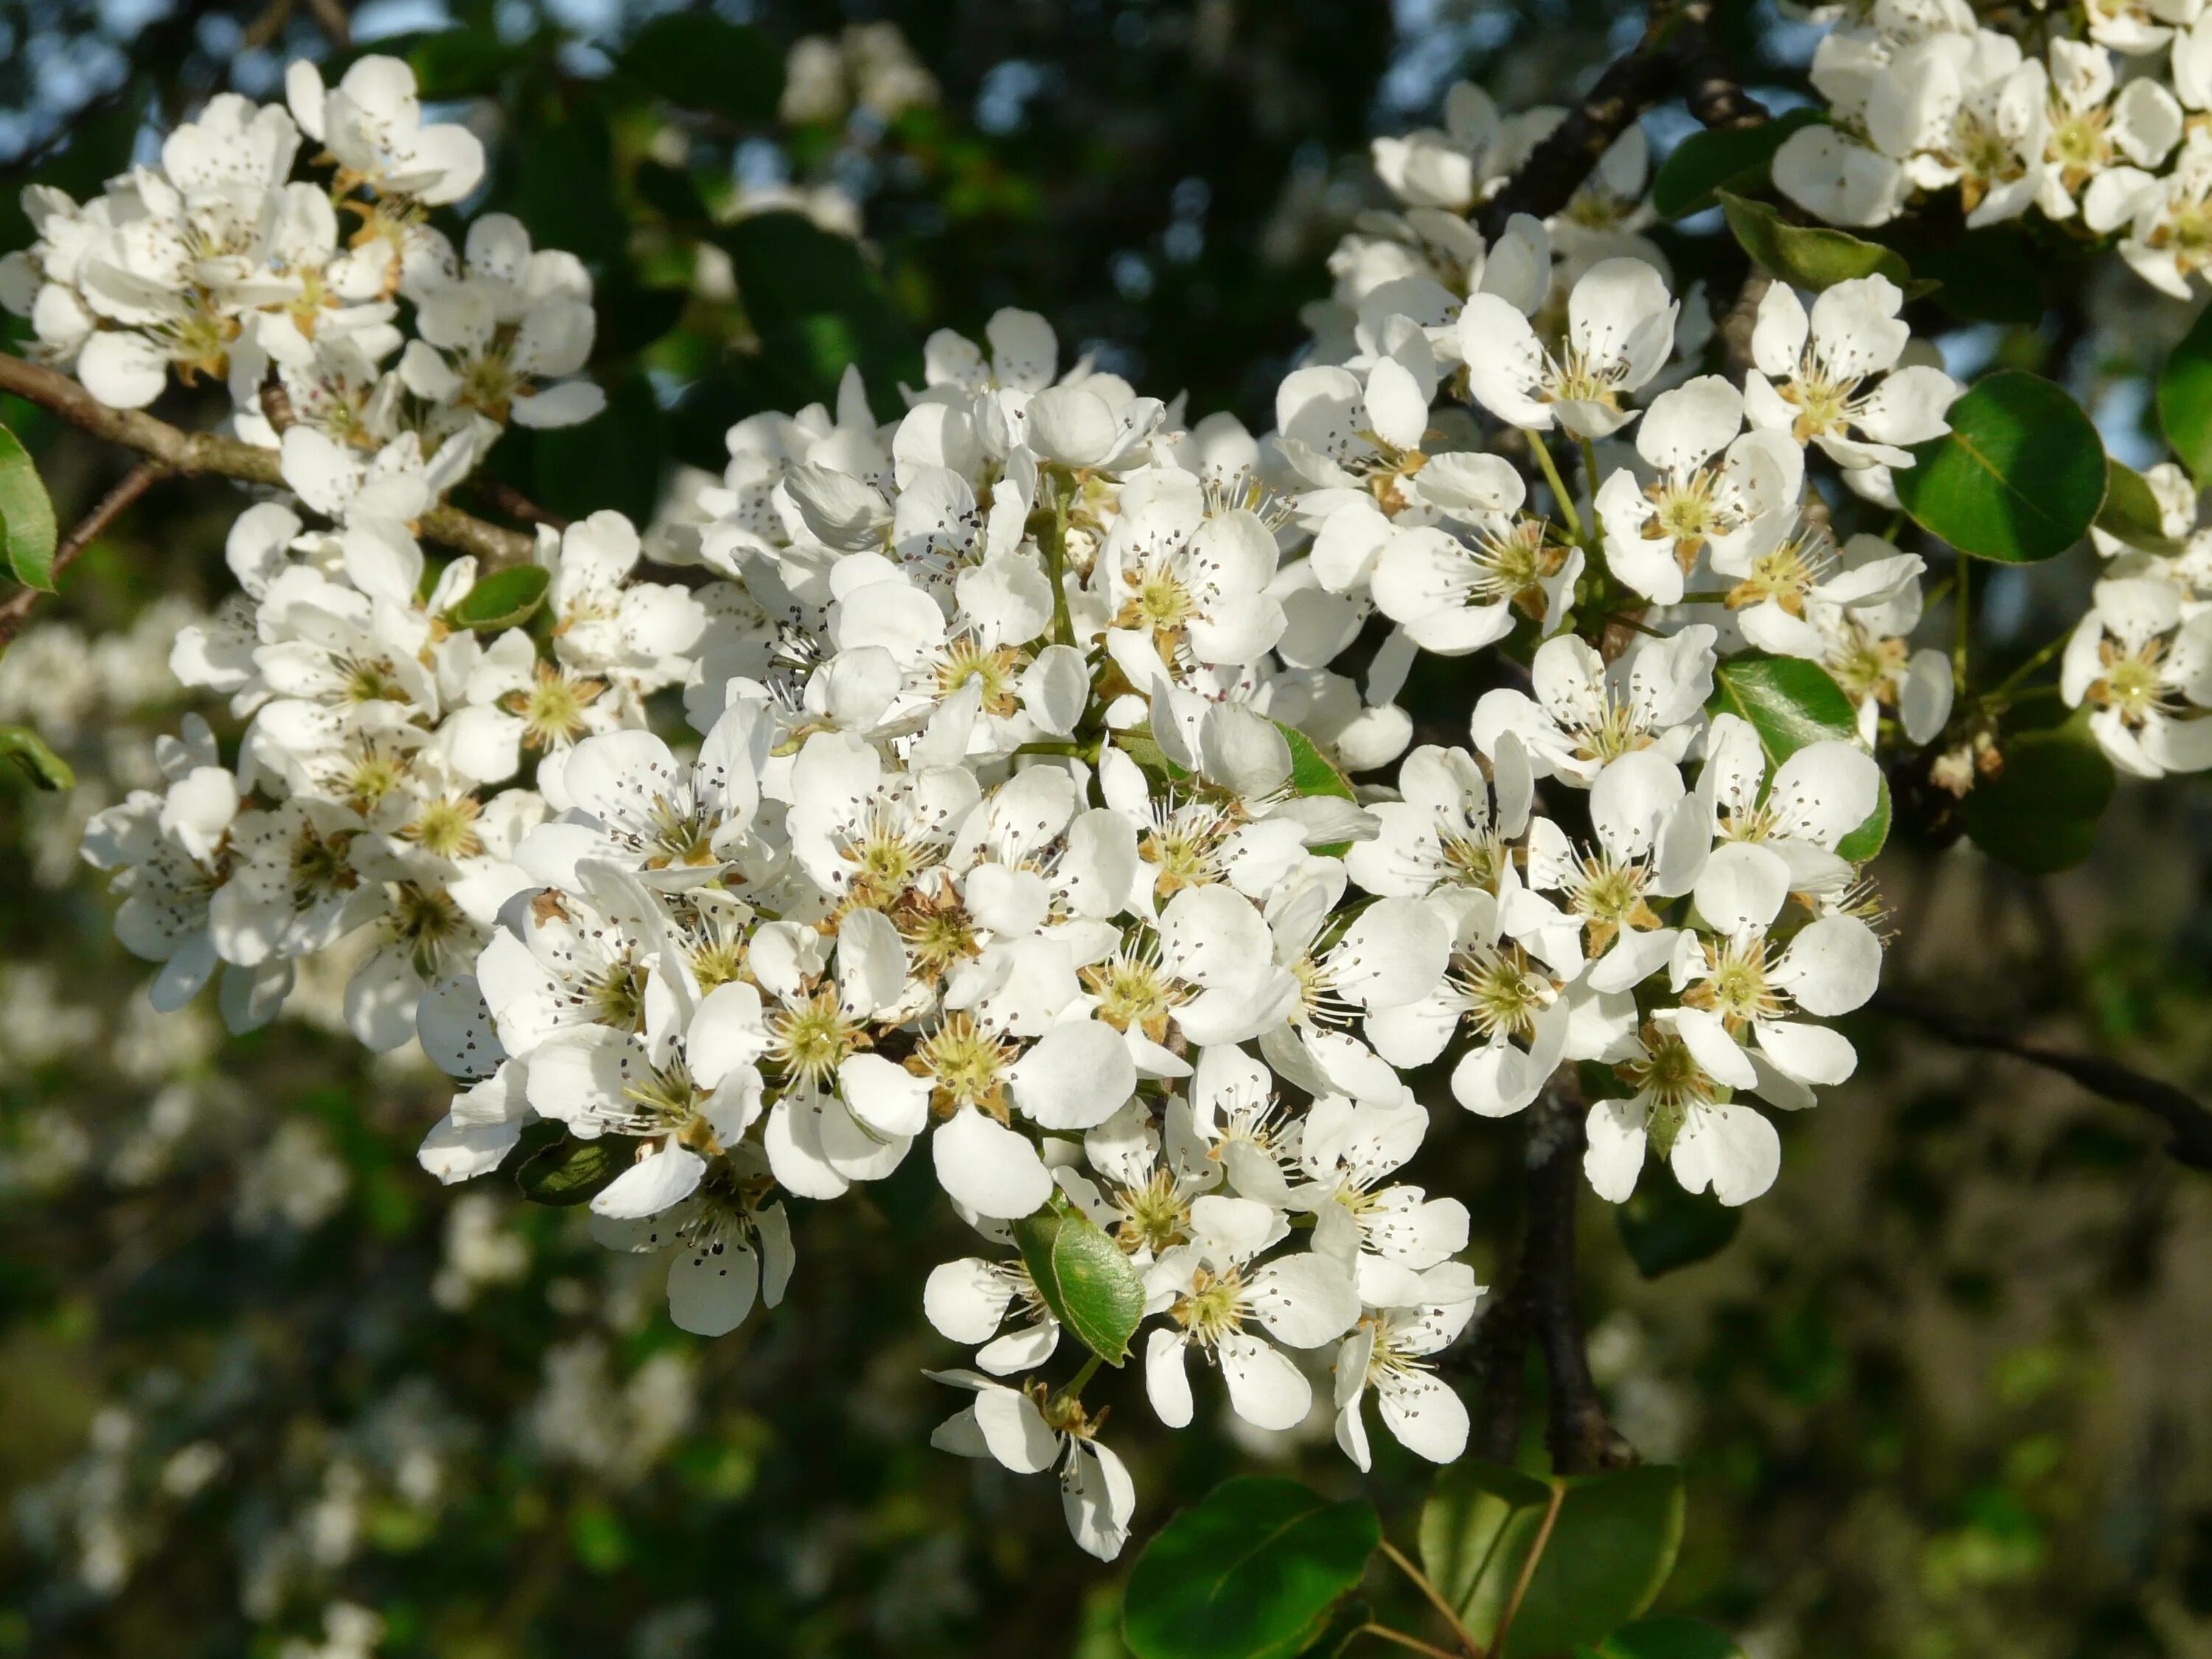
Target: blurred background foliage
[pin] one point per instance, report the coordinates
(267, 1391)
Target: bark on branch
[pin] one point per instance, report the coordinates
(1677, 51)
(193, 454)
(1541, 1305)
(2189, 1124)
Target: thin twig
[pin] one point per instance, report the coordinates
(135, 482)
(2189, 1125)
(1555, 169)
(330, 17)
(1449, 1614)
(1529, 1566)
(506, 498)
(194, 454)
(1370, 1628)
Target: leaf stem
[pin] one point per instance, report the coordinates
(1421, 1583)
(2002, 693)
(1370, 1628)
(1055, 562)
(1072, 1388)
(1528, 1566)
(1559, 492)
(1589, 478)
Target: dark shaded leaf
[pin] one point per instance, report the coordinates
(569, 1172)
(818, 307)
(1663, 1228)
(613, 461)
(1252, 1572)
(2185, 397)
(696, 60)
(2040, 814)
(1665, 1638)
(1734, 158)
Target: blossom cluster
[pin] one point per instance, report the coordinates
(2090, 114)
(1014, 817)
(2139, 659)
(218, 264)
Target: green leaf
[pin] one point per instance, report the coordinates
(2017, 479)
(2040, 814)
(613, 461)
(1609, 1551)
(1791, 701)
(45, 769)
(569, 1172)
(565, 184)
(1464, 1524)
(26, 516)
(697, 61)
(1735, 159)
(1994, 275)
(2130, 511)
(1665, 1638)
(505, 598)
(1085, 1277)
(1251, 1572)
(457, 62)
(2185, 397)
(1663, 1228)
(818, 305)
(1807, 257)
(1311, 772)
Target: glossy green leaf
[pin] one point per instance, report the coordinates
(2040, 814)
(1791, 701)
(26, 516)
(1663, 1228)
(1609, 1551)
(1804, 257)
(1251, 1572)
(505, 598)
(1084, 1276)
(2185, 397)
(28, 750)
(1665, 1638)
(2017, 479)
(1735, 159)
(569, 1172)
(698, 61)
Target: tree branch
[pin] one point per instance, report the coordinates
(2189, 1125)
(1541, 1304)
(1579, 1437)
(1714, 94)
(1677, 48)
(194, 454)
(17, 605)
